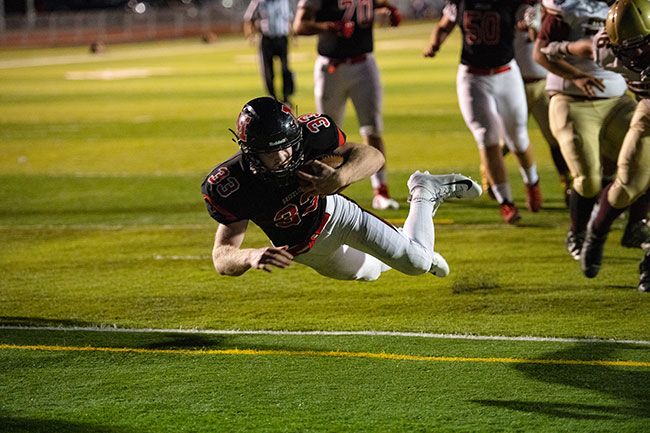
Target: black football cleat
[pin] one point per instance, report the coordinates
(574, 243)
(591, 255)
(636, 234)
(644, 273)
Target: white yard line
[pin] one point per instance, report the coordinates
(327, 333)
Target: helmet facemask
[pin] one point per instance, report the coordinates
(264, 126)
(282, 175)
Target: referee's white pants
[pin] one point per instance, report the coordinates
(357, 245)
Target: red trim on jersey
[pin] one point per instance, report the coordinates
(308, 245)
(219, 209)
(341, 137)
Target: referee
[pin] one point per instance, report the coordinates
(273, 19)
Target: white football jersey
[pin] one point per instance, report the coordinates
(585, 17)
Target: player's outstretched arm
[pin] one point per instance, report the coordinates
(229, 259)
(551, 56)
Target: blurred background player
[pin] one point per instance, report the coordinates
(345, 68)
(623, 46)
(589, 110)
(302, 213)
(491, 92)
(534, 76)
(272, 19)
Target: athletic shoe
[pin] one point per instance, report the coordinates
(636, 234)
(439, 266)
(381, 202)
(443, 186)
(574, 243)
(644, 272)
(382, 199)
(509, 212)
(591, 255)
(533, 197)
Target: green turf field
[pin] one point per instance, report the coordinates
(102, 224)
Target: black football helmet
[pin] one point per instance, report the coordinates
(267, 125)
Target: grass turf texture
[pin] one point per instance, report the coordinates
(180, 389)
(101, 223)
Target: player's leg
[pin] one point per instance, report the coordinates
(576, 125)
(282, 51)
(356, 245)
(366, 95)
(479, 111)
(266, 64)
(512, 107)
(329, 90)
(409, 251)
(630, 187)
(538, 101)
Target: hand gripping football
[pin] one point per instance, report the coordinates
(333, 160)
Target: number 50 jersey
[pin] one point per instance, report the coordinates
(285, 213)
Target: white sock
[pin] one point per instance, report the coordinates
(502, 192)
(529, 175)
(419, 222)
(378, 179)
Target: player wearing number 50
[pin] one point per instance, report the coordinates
(277, 180)
(345, 69)
(491, 91)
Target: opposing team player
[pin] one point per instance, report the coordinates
(491, 91)
(589, 110)
(272, 182)
(346, 69)
(623, 46)
(534, 76)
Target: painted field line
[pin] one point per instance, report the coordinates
(328, 354)
(326, 333)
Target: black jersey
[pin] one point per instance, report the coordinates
(361, 13)
(488, 28)
(285, 213)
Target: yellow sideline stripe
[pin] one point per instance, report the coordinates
(329, 354)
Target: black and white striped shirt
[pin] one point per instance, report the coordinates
(275, 16)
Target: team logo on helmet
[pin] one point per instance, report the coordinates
(266, 125)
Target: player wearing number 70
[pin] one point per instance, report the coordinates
(277, 180)
(346, 69)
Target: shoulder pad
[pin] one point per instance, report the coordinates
(574, 10)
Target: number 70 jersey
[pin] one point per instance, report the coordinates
(288, 216)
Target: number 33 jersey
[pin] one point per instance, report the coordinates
(285, 213)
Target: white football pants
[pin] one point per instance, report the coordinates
(357, 245)
(494, 107)
(360, 82)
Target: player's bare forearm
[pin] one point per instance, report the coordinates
(551, 57)
(438, 36)
(305, 24)
(230, 261)
(361, 161)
